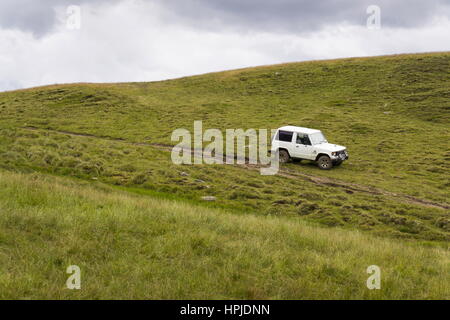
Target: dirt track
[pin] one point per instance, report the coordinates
(284, 172)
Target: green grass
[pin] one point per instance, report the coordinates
(147, 170)
(392, 112)
(132, 246)
(93, 185)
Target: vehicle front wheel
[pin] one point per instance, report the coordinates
(325, 163)
(284, 156)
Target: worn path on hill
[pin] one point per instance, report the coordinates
(284, 172)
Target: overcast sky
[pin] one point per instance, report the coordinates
(50, 41)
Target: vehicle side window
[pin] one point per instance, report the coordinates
(285, 136)
(303, 139)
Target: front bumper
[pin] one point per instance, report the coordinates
(340, 156)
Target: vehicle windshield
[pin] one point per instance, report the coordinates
(317, 138)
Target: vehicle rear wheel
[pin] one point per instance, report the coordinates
(325, 163)
(284, 156)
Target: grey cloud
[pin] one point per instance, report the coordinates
(297, 16)
(302, 15)
(37, 17)
(26, 15)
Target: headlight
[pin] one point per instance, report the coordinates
(334, 153)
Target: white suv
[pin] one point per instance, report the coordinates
(302, 143)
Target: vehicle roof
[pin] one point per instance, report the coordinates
(299, 129)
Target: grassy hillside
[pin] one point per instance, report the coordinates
(392, 112)
(87, 179)
(131, 246)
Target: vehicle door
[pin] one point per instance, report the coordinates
(303, 147)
